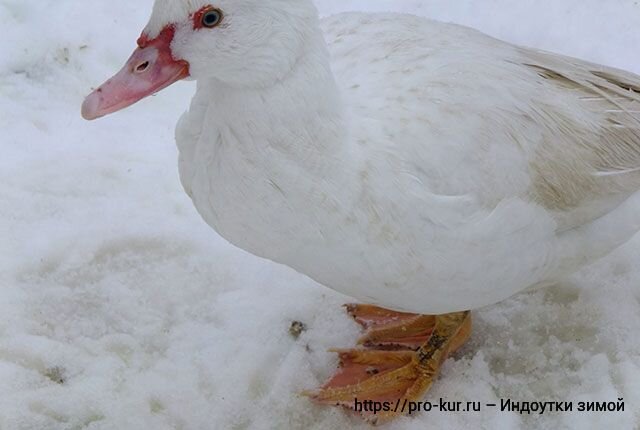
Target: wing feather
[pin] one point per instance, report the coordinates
(591, 150)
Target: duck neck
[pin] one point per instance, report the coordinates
(299, 118)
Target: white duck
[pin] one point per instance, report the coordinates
(415, 165)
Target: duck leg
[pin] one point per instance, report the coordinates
(391, 379)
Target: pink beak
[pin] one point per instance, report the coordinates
(150, 69)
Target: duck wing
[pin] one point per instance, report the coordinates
(589, 160)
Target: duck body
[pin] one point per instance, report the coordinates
(417, 165)
(414, 165)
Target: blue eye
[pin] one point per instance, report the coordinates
(211, 18)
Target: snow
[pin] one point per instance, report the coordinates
(121, 309)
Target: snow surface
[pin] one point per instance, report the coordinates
(121, 309)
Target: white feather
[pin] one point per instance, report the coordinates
(420, 166)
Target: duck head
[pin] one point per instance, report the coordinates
(242, 43)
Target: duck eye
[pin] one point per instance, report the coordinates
(211, 18)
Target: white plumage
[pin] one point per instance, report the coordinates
(443, 170)
(416, 165)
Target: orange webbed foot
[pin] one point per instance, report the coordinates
(392, 371)
(390, 329)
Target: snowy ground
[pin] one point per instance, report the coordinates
(120, 309)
